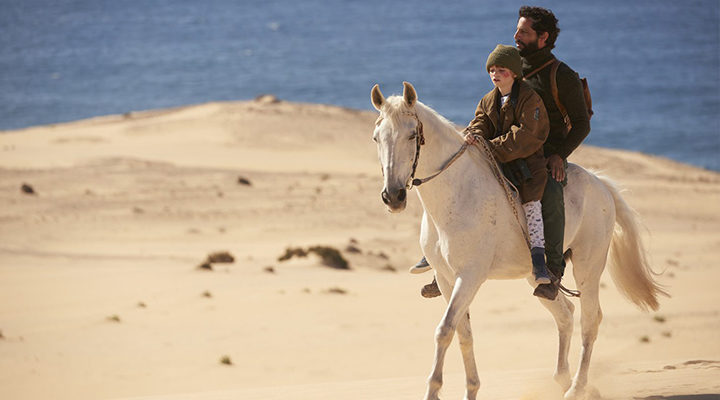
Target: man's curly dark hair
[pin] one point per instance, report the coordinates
(543, 20)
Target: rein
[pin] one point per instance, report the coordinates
(419, 141)
(507, 186)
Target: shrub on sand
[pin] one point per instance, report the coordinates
(389, 268)
(206, 266)
(330, 257)
(27, 189)
(292, 252)
(353, 249)
(336, 290)
(220, 257)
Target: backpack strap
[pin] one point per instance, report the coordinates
(554, 89)
(556, 97)
(538, 69)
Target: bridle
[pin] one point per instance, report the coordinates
(419, 141)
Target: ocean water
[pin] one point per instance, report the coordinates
(653, 65)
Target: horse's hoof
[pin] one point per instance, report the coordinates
(586, 393)
(563, 379)
(574, 394)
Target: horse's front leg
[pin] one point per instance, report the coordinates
(466, 346)
(456, 316)
(465, 338)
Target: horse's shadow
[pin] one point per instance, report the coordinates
(683, 397)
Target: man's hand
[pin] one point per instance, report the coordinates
(556, 167)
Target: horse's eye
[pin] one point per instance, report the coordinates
(413, 135)
(374, 138)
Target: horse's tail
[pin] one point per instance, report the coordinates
(629, 267)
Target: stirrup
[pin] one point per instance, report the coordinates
(565, 291)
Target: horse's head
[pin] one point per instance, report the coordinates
(398, 134)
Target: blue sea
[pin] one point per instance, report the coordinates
(653, 65)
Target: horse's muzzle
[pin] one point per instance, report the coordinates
(394, 199)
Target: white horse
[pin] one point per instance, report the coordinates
(470, 233)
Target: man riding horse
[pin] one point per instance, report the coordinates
(535, 37)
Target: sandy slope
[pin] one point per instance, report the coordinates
(127, 206)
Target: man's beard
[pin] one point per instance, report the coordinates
(528, 48)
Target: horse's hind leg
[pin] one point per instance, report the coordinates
(590, 317)
(455, 317)
(562, 310)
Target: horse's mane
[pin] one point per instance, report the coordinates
(395, 106)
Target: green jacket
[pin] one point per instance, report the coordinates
(571, 95)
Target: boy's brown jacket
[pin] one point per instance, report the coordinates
(524, 128)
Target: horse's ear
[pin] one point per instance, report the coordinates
(377, 97)
(409, 94)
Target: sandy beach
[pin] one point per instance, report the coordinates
(101, 296)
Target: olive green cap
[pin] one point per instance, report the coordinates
(506, 57)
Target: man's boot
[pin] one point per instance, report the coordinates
(420, 267)
(547, 290)
(430, 290)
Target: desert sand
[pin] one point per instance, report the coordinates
(101, 297)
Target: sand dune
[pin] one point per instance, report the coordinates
(101, 298)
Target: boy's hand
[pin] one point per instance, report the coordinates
(471, 139)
